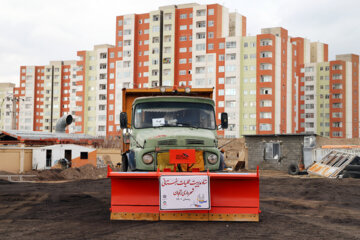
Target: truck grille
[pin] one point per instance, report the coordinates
(167, 142)
(194, 142)
(162, 159)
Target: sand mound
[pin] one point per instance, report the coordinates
(85, 172)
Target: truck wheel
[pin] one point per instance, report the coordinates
(293, 169)
(124, 164)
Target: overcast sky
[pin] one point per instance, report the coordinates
(33, 32)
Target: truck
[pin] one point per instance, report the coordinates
(171, 164)
(157, 121)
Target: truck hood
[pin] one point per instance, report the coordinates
(175, 137)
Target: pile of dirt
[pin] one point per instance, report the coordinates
(85, 172)
(6, 173)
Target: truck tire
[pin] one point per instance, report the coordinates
(352, 168)
(293, 169)
(124, 164)
(351, 174)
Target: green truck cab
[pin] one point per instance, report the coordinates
(163, 120)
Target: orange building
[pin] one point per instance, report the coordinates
(269, 83)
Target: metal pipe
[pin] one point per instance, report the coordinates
(62, 123)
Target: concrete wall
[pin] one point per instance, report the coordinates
(290, 151)
(15, 160)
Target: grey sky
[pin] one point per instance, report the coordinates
(33, 32)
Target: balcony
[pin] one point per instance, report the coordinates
(266, 42)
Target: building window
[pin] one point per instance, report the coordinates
(337, 134)
(230, 92)
(230, 44)
(265, 127)
(272, 151)
(83, 155)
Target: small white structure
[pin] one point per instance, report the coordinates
(47, 157)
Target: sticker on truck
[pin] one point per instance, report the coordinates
(158, 122)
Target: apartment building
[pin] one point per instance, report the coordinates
(269, 83)
(44, 95)
(255, 78)
(331, 97)
(91, 93)
(178, 45)
(7, 106)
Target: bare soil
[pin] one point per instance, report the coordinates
(292, 208)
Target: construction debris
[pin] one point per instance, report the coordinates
(337, 164)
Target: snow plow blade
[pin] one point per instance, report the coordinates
(231, 196)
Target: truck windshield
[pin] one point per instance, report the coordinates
(174, 114)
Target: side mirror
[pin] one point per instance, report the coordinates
(123, 120)
(224, 120)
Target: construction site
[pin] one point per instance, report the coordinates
(74, 204)
(169, 175)
(292, 207)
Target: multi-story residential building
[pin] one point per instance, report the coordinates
(44, 95)
(178, 45)
(26, 96)
(7, 106)
(269, 83)
(92, 94)
(304, 52)
(331, 97)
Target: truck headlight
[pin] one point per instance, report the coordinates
(212, 159)
(147, 158)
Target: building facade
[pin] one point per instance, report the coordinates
(7, 106)
(269, 83)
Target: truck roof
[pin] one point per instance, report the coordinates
(174, 99)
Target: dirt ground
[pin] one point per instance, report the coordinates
(292, 208)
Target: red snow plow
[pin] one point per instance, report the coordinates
(172, 165)
(188, 196)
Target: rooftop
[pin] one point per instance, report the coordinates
(44, 138)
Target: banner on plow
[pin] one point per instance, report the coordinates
(184, 192)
